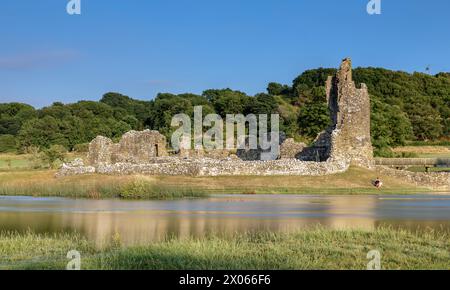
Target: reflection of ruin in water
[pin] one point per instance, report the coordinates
(144, 221)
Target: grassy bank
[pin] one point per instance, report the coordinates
(14, 162)
(43, 183)
(310, 249)
(424, 151)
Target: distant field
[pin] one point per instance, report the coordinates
(22, 162)
(425, 151)
(13, 161)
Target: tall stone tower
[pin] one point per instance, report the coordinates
(348, 137)
(350, 115)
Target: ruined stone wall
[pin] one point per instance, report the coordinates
(100, 150)
(133, 147)
(211, 167)
(436, 180)
(200, 153)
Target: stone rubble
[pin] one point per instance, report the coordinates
(75, 167)
(290, 149)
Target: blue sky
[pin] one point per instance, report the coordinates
(142, 47)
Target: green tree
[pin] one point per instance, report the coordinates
(54, 155)
(228, 101)
(261, 104)
(313, 119)
(164, 108)
(41, 133)
(390, 127)
(276, 89)
(426, 121)
(13, 115)
(140, 110)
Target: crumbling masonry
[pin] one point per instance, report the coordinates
(348, 138)
(134, 147)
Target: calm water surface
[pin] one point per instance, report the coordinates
(138, 222)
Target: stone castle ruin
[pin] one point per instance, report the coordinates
(349, 135)
(134, 147)
(347, 141)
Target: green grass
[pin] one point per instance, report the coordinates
(423, 151)
(17, 162)
(316, 248)
(434, 155)
(13, 162)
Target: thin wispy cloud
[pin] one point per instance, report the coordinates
(36, 59)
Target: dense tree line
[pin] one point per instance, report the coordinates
(405, 107)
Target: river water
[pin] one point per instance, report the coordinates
(139, 222)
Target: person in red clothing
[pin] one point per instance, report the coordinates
(378, 183)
